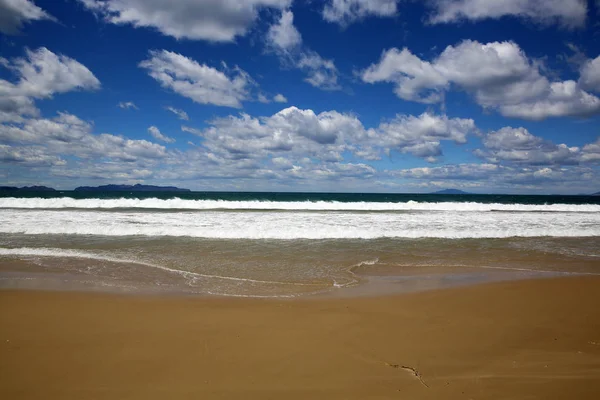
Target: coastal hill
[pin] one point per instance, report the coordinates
(450, 191)
(27, 189)
(130, 188)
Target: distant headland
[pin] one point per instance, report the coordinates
(27, 189)
(450, 191)
(130, 188)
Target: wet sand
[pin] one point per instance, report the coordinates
(515, 340)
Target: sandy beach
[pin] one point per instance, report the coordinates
(518, 340)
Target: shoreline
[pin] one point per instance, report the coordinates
(515, 339)
(365, 285)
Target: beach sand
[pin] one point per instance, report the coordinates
(511, 340)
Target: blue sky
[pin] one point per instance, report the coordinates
(336, 95)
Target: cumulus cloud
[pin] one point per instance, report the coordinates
(199, 82)
(568, 13)
(590, 75)
(156, 134)
(211, 20)
(180, 113)
(262, 98)
(414, 79)
(421, 136)
(66, 147)
(321, 73)
(15, 13)
(279, 98)
(559, 100)
(41, 74)
(126, 105)
(28, 156)
(517, 145)
(44, 73)
(498, 75)
(344, 12)
(509, 178)
(452, 172)
(284, 39)
(591, 152)
(284, 34)
(292, 131)
(291, 149)
(67, 134)
(298, 133)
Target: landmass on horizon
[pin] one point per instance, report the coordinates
(28, 188)
(130, 188)
(153, 188)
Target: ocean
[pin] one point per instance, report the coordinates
(289, 244)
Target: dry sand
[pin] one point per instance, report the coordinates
(513, 340)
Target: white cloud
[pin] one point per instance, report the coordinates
(499, 76)
(156, 134)
(262, 98)
(507, 178)
(452, 172)
(496, 73)
(40, 75)
(292, 131)
(345, 12)
(421, 136)
(292, 149)
(28, 156)
(326, 136)
(180, 113)
(568, 13)
(126, 105)
(15, 13)
(559, 100)
(279, 98)
(517, 145)
(66, 134)
(211, 20)
(284, 39)
(590, 74)
(14, 105)
(591, 152)
(415, 80)
(199, 82)
(284, 34)
(322, 73)
(44, 73)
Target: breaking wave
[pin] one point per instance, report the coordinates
(183, 204)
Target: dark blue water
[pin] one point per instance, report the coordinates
(300, 196)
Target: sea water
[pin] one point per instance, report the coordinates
(290, 244)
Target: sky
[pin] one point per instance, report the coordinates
(288, 95)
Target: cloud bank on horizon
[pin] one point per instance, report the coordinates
(339, 95)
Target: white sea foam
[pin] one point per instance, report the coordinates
(366, 262)
(182, 204)
(299, 224)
